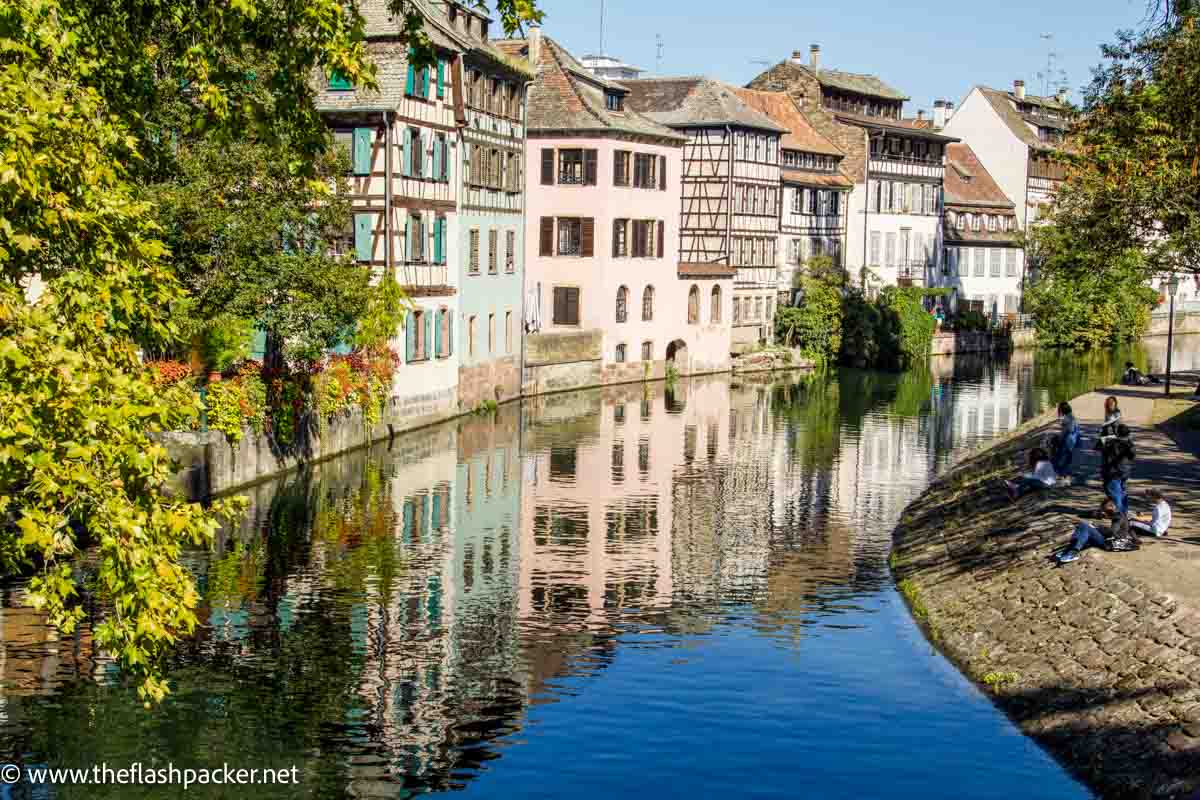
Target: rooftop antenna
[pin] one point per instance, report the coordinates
(658, 48)
(1049, 74)
(601, 27)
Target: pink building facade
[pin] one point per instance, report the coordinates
(606, 298)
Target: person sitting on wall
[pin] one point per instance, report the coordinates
(1042, 475)
(1120, 536)
(1134, 377)
(1117, 454)
(1160, 516)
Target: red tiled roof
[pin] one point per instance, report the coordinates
(780, 107)
(706, 270)
(967, 181)
(831, 179)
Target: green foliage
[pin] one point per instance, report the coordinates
(672, 374)
(998, 680)
(971, 321)
(237, 403)
(815, 325)
(908, 327)
(486, 408)
(1083, 299)
(861, 326)
(80, 85)
(362, 379)
(386, 309)
(225, 341)
(1133, 162)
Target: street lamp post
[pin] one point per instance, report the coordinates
(1172, 287)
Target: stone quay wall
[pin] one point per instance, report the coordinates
(1093, 659)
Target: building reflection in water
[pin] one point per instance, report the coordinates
(388, 619)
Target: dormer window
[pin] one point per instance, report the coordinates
(340, 83)
(613, 101)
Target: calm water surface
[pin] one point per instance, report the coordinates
(676, 592)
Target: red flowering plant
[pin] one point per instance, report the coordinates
(360, 378)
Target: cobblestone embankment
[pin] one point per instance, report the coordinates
(1099, 660)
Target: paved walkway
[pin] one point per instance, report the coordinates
(1098, 660)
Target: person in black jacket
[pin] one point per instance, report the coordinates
(1119, 538)
(1116, 465)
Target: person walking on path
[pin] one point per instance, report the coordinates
(1116, 465)
(1120, 536)
(1112, 417)
(1041, 477)
(1067, 440)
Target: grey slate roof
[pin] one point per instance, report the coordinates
(1003, 102)
(566, 96)
(694, 102)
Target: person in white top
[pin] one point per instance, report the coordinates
(1041, 477)
(1160, 516)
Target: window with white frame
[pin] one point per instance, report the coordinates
(995, 262)
(1010, 263)
(980, 265)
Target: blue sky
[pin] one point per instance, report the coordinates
(926, 49)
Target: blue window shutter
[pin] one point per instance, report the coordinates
(408, 244)
(425, 82)
(428, 318)
(441, 79)
(437, 340)
(411, 85)
(435, 170)
(445, 159)
(410, 337)
(439, 234)
(449, 334)
(408, 152)
(362, 236)
(362, 151)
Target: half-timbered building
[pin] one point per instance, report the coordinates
(730, 192)
(605, 301)
(404, 144)
(983, 263)
(812, 216)
(490, 213)
(895, 207)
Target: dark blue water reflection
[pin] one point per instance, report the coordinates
(678, 592)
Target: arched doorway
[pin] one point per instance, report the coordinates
(677, 355)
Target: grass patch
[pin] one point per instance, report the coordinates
(998, 680)
(912, 595)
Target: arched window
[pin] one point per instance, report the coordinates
(648, 304)
(622, 304)
(647, 351)
(714, 314)
(694, 305)
(620, 354)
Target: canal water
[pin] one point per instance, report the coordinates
(681, 591)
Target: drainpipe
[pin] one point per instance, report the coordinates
(524, 233)
(866, 215)
(387, 191)
(729, 214)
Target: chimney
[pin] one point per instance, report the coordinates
(1019, 89)
(939, 114)
(949, 111)
(797, 56)
(814, 52)
(535, 46)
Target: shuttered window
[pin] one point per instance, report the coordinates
(547, 166)
(659, 243)
(1010, 261)
(363, 236)
(995, 263)
(546, 237)
(493, 251)
(566, 305)
(662, 173)
(439, 240)
(441, 79)
(362, 151)
(473, 264)
(620, 247)
(621, 168)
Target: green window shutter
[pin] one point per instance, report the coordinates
(437, 341)
(425, 82)
(408, 152)
(362, 151)
(445, 159)
(439, 232)
(435, 170)
(410, 338)
(449, 334)
(362, 236)
(411, 85)
(441, 79)
(408, 248)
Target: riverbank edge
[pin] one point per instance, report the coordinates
(973, 572)
(210, 466)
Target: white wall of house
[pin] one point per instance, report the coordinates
(976, 280)
(1003, 155)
